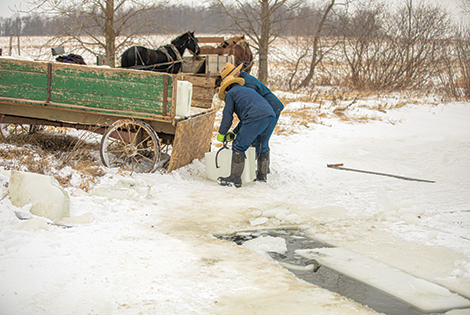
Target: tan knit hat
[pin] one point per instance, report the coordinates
(226, 82)
(230, 69)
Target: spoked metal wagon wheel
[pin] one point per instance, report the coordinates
(7, 130)
(131, 145)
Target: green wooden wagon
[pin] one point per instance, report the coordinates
(134, 110)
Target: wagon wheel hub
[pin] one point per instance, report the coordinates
(130, 150)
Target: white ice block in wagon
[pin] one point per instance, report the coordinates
(184, 95)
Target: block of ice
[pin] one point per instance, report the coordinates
(278, 212)
(293, 219)
(459, 312)
(410, 218)
(426, 287)
(264, 244)
(85, 218)
(420, 293)
(184, 94)
(33, 225)
(258, 221)
(218, 164)
(44, 193)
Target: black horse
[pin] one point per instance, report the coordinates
(166, 58)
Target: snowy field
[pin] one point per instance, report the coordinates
(144, 243)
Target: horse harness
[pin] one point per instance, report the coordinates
(164, 50)
(171, 61)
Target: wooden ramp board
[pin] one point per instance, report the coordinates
(192, 140)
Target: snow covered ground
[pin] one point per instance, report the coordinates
(145, 243)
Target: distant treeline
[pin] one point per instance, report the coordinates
(174, 19)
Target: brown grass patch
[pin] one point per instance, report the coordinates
(49, 153)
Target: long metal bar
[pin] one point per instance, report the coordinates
(340, 167)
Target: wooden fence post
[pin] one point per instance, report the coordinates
(11, 43)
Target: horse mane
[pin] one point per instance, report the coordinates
(234, 40)
(179, 38)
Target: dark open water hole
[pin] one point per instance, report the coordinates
(325, 277)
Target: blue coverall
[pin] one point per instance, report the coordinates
(257, 118)
(258, 86)
(261, 89)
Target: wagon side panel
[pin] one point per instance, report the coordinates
(113, 91)
(21, 79)
(192, 140)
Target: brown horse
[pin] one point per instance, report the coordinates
(239, 47)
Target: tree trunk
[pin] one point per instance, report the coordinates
(409, 48)
(110, 34)
(264, 41)
(306, 81)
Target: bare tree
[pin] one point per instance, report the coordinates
(394, 50)
(465, 5)
(421, 31)
(315, 43)
(108, 25)
(366, 47)
(454, 73)
(261, 20)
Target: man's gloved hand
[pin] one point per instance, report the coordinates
(228, 137)
(220, 137)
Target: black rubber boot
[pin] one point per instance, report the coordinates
(235, 178)
(263, 167)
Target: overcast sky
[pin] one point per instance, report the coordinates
(5, 5)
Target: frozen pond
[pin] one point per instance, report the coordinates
(269, 241)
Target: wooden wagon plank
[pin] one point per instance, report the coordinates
(109, 102)
(212, 39)
(108, 74)
(192, 140)
(203, 90)
(79, 116)
(141, 90)
(23, 79)
(212, 51)
(23, 65)
(23, 91)
(136, 91)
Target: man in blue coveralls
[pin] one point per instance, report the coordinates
(257, 121)
(261, 89)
